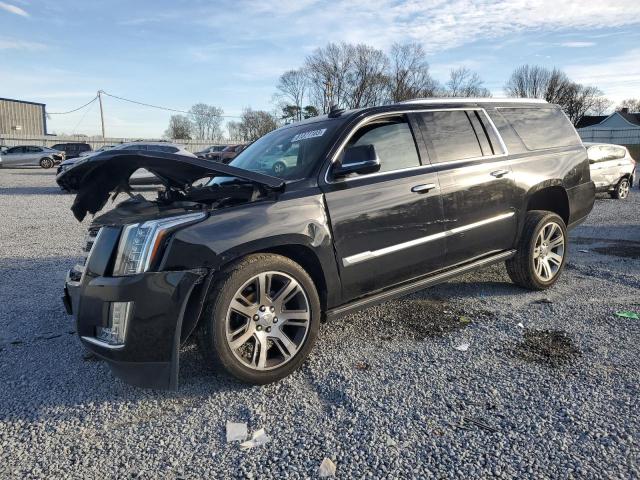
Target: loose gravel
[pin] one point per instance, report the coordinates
(549, 387)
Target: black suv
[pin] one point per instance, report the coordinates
(372, 204)
(72, 150)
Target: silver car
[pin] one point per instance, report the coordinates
(30, 155)
(612, 168)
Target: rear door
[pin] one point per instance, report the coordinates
(476, 182)
(387, 226)
(32, 155)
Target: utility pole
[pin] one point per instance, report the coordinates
(101, 113)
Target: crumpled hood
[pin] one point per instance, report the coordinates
(95, 177)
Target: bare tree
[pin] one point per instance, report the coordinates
(233, 130)
(292, 87)
(367, 77)
(554, 86)
(207, 121)
(255, 123)
(465, 83)
(408, 75)
(327, 70)
(601, 106)
(633, 104)
(179, 128)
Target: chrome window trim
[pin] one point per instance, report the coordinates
(427, 166)
(369, 254)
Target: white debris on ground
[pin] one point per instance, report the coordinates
(236, 432)
(327, 468)
(463, 347)
(258, 438)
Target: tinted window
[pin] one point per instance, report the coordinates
(393, 142)
(541, 127)
(452, 136)
(16, 150)
(33, 149)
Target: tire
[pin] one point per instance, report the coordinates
(535, 265)
(260, 328)
(46, 162)
(279, 168)
(622, 189)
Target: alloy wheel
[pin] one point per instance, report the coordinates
(548, 251)
(623, 188)
(268, 320)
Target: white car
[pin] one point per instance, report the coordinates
(612, 168)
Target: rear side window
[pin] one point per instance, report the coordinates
(452, 136)
(540, 128)
(393, 142)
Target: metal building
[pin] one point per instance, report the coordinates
(18, 117)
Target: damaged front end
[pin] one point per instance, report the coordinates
(128, 310)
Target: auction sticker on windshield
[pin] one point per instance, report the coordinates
(309, 134)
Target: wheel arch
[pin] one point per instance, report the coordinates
(550, 196)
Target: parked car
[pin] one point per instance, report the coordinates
(381, 202)
(101, 149)
(227, 154)
(142, 177)
(30, 155)
(72, 149)
(612, 168)
(3, 148)
(207, 152)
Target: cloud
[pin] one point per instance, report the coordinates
(618, 77)
(437, 24)
(577, 44)
(12, 44)
(13, 9)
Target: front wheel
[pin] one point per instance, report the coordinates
(541, 253)
(622, 189)
(46, 163)
(262, 318)
(279, 168)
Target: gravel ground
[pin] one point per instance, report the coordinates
(549, 387)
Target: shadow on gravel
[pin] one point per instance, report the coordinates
(15, 191)
(548, 347)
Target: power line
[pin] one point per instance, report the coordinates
(75, 109)
(166, 108)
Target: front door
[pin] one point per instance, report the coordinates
(387, 226)
(476, 181)
(14, 156)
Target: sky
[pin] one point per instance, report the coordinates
(230, 53)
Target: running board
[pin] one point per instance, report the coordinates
(406, 289)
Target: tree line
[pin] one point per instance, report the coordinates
(358, 76)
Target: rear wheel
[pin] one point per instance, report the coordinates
(46, 162)
(541, 253)
(262, 318)
(622, 189)
(279, 168)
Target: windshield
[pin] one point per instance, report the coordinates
(289, 153)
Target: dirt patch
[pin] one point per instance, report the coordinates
(550, 347)
(620, 250)
(417, 319)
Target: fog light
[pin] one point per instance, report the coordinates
(116, 332)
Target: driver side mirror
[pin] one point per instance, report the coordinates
(359, 159)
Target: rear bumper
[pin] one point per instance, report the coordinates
(149, 357)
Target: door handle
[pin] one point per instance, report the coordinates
(424, 188)
(499, 173)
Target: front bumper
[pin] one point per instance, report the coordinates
(150, 355)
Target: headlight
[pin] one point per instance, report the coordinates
(140, 242)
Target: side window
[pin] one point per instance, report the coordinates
(541, 127)
(393, 142)
(452, 136)
(34, 149)
(618, 153)
(16, 150)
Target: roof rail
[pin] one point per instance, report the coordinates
(471, 100)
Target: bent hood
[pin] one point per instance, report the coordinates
(95, 177)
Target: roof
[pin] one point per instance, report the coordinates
(633, 118)
(21, 101)
(589, 120)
